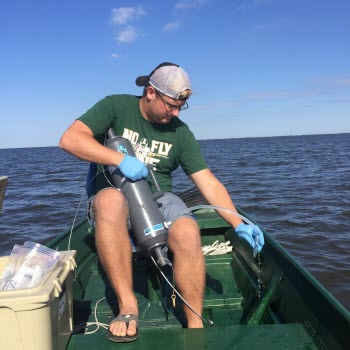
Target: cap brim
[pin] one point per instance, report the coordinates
(142, 81)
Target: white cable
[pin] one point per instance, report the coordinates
(216, 207)
(81, 199)
(210, 322)
(75, 217)
(207, 206)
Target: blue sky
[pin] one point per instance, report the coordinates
(257, 67)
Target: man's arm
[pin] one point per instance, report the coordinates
(79, 141)
(216, 194)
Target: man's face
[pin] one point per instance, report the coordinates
(163, 108)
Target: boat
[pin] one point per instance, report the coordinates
(266, 301)
(3, 184)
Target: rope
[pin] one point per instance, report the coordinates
(217, 248)
(97, 323)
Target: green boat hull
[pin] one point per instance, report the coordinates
(277, 306)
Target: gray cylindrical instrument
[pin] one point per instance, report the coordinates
(146, 219)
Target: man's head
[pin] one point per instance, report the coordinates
(169, 79)
(166, 90)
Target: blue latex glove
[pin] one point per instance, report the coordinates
(133, 168)
(252, 234)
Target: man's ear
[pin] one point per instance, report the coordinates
(150, 92)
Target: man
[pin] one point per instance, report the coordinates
(151, 123)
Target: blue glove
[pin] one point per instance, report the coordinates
(133, 168)
(252, 234)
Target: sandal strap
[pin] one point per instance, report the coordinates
(126, 318)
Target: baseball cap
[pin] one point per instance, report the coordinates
(168, 78)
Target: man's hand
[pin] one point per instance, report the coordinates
(252, 234)
(133, 168)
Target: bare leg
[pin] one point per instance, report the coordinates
(114, 250)
(185, 243)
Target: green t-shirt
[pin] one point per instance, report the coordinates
(165, 146)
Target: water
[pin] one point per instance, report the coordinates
(296, 188)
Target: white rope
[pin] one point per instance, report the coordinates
(217, 248)
(97, 323)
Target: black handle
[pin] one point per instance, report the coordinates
(159, 192)
(110, 133)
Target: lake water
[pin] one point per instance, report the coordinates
(296, 187)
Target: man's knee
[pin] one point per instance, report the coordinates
(110, 203)
(184, 235)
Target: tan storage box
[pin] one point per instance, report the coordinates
(39, 318)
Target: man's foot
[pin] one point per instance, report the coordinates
(124, 328)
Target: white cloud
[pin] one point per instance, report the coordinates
(188, 4)
(171, 26)
(121, 18)
(114, 56)
(124, 15)
(128, 35)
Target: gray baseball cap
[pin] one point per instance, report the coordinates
(168, 78)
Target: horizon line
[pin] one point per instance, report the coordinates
(219, 138)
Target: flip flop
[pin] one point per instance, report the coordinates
(126, 338)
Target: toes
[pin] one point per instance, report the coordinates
(132, 328)
(119, 328)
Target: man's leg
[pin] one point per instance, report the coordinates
(189, 266)
(114, 250)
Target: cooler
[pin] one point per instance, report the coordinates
(39, 318)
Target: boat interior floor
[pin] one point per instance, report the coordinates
(163, 325)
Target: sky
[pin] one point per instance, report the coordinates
(257, 67)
